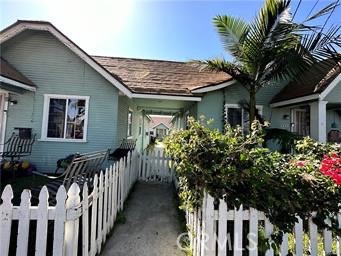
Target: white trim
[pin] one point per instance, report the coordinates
(330, 87)
(3, 119)
(11, 32)
(259, 107)
(17, 84)
(167, 127)
(294, 101)
(46, 108)
(164, 97)
(227, 106)
(210, 88)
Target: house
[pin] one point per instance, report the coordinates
(76, 102)
(160, 126)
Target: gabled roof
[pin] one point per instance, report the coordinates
(313, 82)
(22, 25)
(10, 75)
(136, 78)
(161, 76)
(157, 120)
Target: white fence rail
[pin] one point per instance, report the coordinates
(156, 166)
(96, 211)
(221, 233)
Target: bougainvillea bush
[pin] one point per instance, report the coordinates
(237, 168)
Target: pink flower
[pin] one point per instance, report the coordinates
(331, 166)
(300, 163)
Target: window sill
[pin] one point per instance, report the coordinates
(61, 140)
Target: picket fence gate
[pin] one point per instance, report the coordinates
(96, 211)
(208, 232)
(156, 166)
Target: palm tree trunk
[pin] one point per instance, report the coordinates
(252, 104)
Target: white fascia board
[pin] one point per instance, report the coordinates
(210, 88)
(17, 84)
(164, 97)
(72, 46)
(330, 87)
(294, 101)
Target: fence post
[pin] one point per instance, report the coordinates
(59, 222)
(93, 245)
(24, 222)
(100, 213)
(6, 219)
(72, 226)
(105, 205)
(42, 221)
(85, 221)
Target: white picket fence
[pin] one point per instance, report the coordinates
(209, 234)
(96, 211)
(156, 166)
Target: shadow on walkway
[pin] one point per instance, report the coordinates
(152, 224)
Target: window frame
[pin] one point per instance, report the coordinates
(46, 108)
(227, 106)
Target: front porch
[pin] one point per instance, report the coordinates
(321, 120)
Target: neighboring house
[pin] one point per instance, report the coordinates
(75, 102)
(160, 126)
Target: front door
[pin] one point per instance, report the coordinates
(300, 122)
(2, 119)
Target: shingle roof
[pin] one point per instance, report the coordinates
(314, 81)
(156, 120)
(8, 71)
(160, 76)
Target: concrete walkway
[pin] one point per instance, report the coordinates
(152, 224)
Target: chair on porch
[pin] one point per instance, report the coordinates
(17, 146)
(81, 169)
(127, 144)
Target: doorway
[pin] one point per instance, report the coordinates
(300, 121)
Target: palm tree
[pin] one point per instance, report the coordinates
(273, 47)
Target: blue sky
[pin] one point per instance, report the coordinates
(173, 30)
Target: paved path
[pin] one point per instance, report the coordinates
(152, 225)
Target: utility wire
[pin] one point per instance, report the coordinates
(298, 6)
(313, 8)
(331, 13)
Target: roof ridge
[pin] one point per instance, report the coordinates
(141, 59)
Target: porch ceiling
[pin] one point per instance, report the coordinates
(161, 107)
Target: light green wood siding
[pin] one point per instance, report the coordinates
(56, 70)
(122, 124)
(211, 105)
(335, 95)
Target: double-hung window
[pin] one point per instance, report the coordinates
(237, 116)
(65, 118)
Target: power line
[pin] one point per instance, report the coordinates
(313, 8)
(325, 23)
(298, 6)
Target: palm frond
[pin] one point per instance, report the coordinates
(232, 31)
(234, 70)
(322, 12)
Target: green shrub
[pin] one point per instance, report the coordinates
(237, 168)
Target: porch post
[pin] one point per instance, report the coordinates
(318, 120)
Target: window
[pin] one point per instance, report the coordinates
(65, 118)
(238, 116)
(130, 123)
